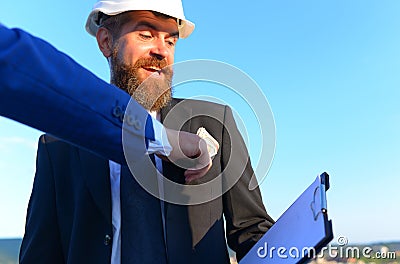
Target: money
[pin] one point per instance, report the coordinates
(212, 144)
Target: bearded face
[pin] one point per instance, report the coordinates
(153, 92)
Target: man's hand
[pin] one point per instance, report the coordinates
(190, 152)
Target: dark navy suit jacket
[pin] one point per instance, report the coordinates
(69, 214)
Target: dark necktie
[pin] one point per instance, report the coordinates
(142, 239)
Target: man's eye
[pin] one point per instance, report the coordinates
(171, 43)
(145, 36)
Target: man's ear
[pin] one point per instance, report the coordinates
(104, 40)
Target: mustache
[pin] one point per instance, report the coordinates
(151, 62)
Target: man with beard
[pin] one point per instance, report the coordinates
(93, 101)
(105, 216)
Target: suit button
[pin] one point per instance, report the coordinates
(107, 240)
(118, 112)
(133, 121)
(137, 125)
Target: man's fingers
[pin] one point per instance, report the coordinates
(194, 174)
(189, 151)
(204, 158)
(203, 165)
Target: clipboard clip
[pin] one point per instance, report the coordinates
(318, 205)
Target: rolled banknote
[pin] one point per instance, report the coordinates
(212, 144)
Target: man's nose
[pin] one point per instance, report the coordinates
(159, 49)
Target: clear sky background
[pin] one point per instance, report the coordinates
(331, 73)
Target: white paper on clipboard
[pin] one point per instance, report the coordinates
(301, 231)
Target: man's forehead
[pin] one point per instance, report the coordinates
(150, 17)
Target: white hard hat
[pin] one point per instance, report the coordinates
(171, 8)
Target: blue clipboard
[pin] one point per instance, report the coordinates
(300, 233)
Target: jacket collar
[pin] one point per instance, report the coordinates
(176, 115)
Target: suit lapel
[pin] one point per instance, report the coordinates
(178, 116)
(175, 116)
(97, 176)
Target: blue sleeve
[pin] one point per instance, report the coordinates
(47, 90)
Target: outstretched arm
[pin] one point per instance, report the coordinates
(47, 90)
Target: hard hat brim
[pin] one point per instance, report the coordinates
(185, 27)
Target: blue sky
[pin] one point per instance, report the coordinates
(330, 70)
